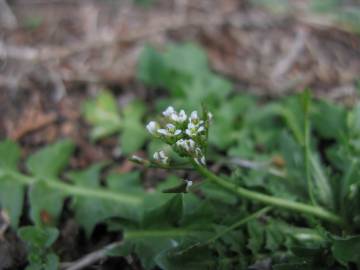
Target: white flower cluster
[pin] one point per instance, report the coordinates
(171, 114)
(188, 135)
(189, 147)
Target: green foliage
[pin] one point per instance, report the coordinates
(39, 241)
(11, 192)
(296, 149)
(103, 115)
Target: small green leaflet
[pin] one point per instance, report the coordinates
(11, 192)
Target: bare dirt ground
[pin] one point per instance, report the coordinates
(54, 54)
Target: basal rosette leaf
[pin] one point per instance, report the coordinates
(11, 191)
(102, 113)
(45, 165)
(91, 211)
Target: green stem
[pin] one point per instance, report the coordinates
(307, 155)
(240, 223)
(69, 189)
(267, 199)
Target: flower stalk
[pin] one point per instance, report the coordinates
(267, 199)
(188, 138)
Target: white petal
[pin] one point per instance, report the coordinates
(182, 116)
(169, 110)
(200, 129)
(170, 126)
(194, 115)
(163, 132)
(202, 160)
(151, 127)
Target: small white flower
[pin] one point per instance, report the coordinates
(189, 183)
(169, 131)
(200, 129)
(182, 117)
(152, 127)
(194, 117)
(174, 117)
(197, 161)
(170, 127)
(161, 157)
(163, 131)
(137, 159)
(194, 129)
(186, 145)
(200, 161)
(209, 116)
(169, 111)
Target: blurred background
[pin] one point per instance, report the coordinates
(54, 54)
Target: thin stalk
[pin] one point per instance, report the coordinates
(267, 199)
(240, 223)
(69, 189)
(307, 154)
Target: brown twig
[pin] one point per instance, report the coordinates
(90, 258)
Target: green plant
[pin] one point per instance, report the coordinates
(103, 114)
(252, 182)
(39, 241)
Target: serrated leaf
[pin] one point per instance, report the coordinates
(214, 193)
(48, 162)
(134, 133)
(39, 237)
(256, 236)
(197, 258)
(39, 240)
(347, 249)
(88, 211)
(159, 230)
(12, 198)
(10, 155)
(103, 114)
(91, 211)
(329, 120)
(45, 204)
(11, 192)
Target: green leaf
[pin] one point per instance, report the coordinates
(214, 193)
(134, 133)
(197, 258)
(256, 236)
(346, 249)
(51, 262)
(48, 162)
(160, 229)
(150, 67)
(39, 241)
(39, 237)
(12, 198)
(11, 192)
(329, 120)
(91, 211)
(9, 155)
(102, 113)
(45, 204)
(323, 189)
(88, 211)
